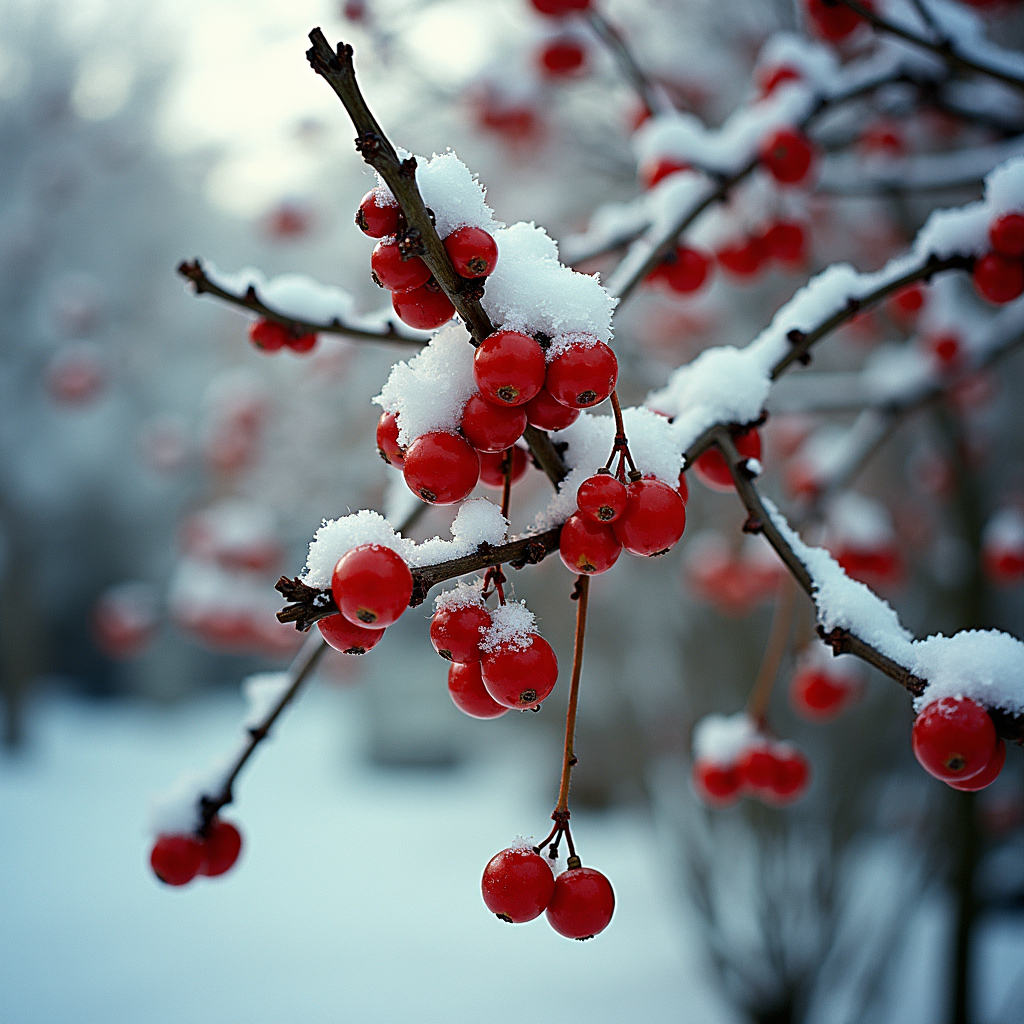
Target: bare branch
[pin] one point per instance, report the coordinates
(651, 97)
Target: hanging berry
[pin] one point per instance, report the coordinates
(455, 631)
(509, 368)
(473, 252)
(423, 308)
(347, 637)
(492, 467)
(492, 428)
(546, 413)
(378, 214)
(588, 546)
(583, 375)
(788, 156)
(954, 738)
(392, 271)
(176, 858)
(517, 885)
(520, 676)
(713, 471)
(582, 903)
(653, 520)
(441, 468)
(601, 497)
(222, 843)
(372, 585)
(387, 440)
(466, 689)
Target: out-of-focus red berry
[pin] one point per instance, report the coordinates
(833, 21)
(998, 279)
(654, 171)
(222, 844)
(562, 58)
(1006, 234)
(713, 471)
(788, 156)
(717, 785)
(176, 858)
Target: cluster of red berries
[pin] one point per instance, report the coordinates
(820, 692)
(645, 516)
(485, 683)
(955, 740)
(516, 386)
(999, 274)
(271, 336)
(372, 586)
(178, 857)
(783, 242)
(519, 885)
(733, 582)
(833, 21)
(416, 296)
(771, 771)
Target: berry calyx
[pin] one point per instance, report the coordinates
(423, 308)
(466, 689)
(582, 903)
(987, 775)
(717, 785)
(456, 632)
(588, 546)
(601, 497)
(559, 8)
(787, 155)
(372, 585)
(517, 885)
(393, 272)
(954, 738)
(473, 252)
(441, 468)
(520, 677)
(492, 428)
(1006, 234)
(378, 214)
(387, 440)
(684, 271)
(222, 844)
(713, 471)
(998, 279)
(562, 58)
(347, 637)
(653, 520)
(786, 242)
(583, 375)
(176, 858)
(509, 368)
(546, 413)
(492, 467)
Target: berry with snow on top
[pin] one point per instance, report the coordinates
(582, 903)
(583, 375)
(819, 695)
(473, 252)
(713, 471)
(717, 785)
(378, 215)
(509, 368)
(492, 467)
(466, 689)
(455, 632)
(998, 279)
(490, 427)
(394, 272)
(387, 440)
(371, 585)
(601, 497)
(1006, 234)
(347, 637)
(517, 885)
(757, 770)
(441, 468)
(587, 545)
(954, 738)
(423, 308)
(547, 413)
(519, 676)
(1002, 548)
(788, 156)
(653, 520)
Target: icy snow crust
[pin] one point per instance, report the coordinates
(478, 522)
(511, 626)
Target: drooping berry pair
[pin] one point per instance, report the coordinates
(178, 857)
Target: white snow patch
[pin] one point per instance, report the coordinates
(859, 522)
(985, 665)
(722, 739)
(462, 595)
(511, 626)
(563, 342)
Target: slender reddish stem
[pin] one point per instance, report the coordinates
(774, 652)
(568, 757)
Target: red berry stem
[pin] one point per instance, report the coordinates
(620, 446)
(580, 595)
(774, 652)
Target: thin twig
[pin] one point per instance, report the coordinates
(774, 652)
(649, 94)
(568, 756)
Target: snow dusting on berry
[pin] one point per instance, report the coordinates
(721, 739)
(511, 626)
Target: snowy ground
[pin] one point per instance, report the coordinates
(357, 897)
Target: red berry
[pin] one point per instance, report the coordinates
(954, 738)
(987, 775)
(1006, 234)
(652, 173)
(602, 498)
(743, 258)
(757, 768)
(770, 78)
(833, 21)
(588, 546)
(786, 242)
(683, 487)
(371, 585)
(492, 428)
(423, 308)
(817, 696)
(583, 376)
(880, 567)
(1003, 566)
(221, 845)
(520, 678)
(492, 467)
(176, 858)
(685, 271)
(791, 778)
(378, 216)
(347, 637)
(945, 348)
(509, 368)
(559, 8)
(455, 632)
(716, 784)
(713, 471)
(387, 440)
(466, 689)
(561, 58)
(473, 252)
(268, 335)
(441, 468)
(998, 279)
(545, 413)
(582, 904)
(905, 304)
(517, 885)
(302, 344)
(788, 155)
(654, 518)
(393, 272)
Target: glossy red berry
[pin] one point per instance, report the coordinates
(653, 172)
(601, 497)
(492, 428)
(716, 784)
(441, 468)
(492, 467)
(346, 637)
(1006, 234)
(393, 272)
(268, 335)
(466, 689)
(559, 8)
(582, 904)
(372, 585)
(455, 632)
(713, 471)
(520, 678)
(786, 242)
(517, 885)
(222, 844)
(583, 375)
(473, 252)
(545, 413)
(816, 696)
(562, 58)
(954, 738)
(998, 279)
(742, 258)
(587, 546)
(423, 308)
(987, 775)
(791, 777)
(833, 21)
(509, 368)
(787, 155)
(654, 518)
(387, 440)
(176, 858)
(378, 214)
(685, 271)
